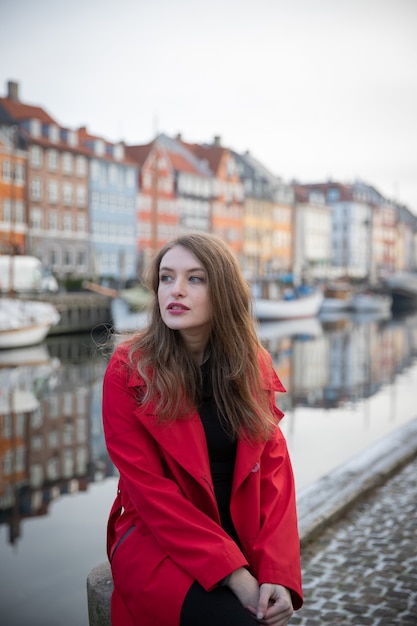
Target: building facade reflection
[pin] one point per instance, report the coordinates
(51, 436)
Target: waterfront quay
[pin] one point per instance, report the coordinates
(362, 569)
(80, 311)
(358, 529)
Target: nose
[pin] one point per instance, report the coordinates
(178, 287)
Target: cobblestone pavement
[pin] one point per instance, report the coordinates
(363, 568)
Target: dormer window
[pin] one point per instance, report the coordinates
(53, 133)
(99, 147)
(35, 128)
(72, 138)
(118, 152)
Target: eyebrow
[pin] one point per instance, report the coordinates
(192, 269)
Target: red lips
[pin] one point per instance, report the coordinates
(176, 306)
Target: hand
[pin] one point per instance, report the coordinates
(274, 606)
(244, 586)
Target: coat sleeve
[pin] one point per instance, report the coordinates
(275, 553)
(184, 532)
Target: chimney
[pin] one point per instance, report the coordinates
(217, 140)
(13, 90)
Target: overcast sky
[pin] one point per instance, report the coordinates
(314, 89)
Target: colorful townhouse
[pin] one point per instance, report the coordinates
(268, 211)
(113, 186)
(227, 204)
(312, 232)
(13, 223)
(258, 219)
(352, 233)
(174, 196)
(56, 202)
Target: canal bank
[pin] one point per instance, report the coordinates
(328, 506)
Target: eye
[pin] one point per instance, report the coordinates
(197, 279)
(165, 278)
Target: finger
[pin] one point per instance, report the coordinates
(264, 596)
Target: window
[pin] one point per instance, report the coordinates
(95, 170)
(53, 133)
(130, 178)
(19, 212)
(53, 221)
(72, 138)
(53, 406)
(52, 468)
(36, 189)
(81, 224)
(35, 128)
(67, 163)
(53, 257)
(113, 174)
(81, 259)
(7, 211)
(68, 263)
(67, 222)
(36, 157)
(53, 191)
(80, 166)
(99, 147)
(36, 219)
(19, 173)
(52, 160)
(7, 171)
(118, 152)
(67, 194)
(333, 194)
(81, 196)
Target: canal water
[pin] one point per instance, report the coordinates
(350, 381)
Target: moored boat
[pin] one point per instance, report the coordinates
(25, 322)
(300, 304)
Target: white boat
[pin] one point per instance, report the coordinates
(25, 322)
(371, 302)
(300, 306)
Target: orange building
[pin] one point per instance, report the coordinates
(13, 222)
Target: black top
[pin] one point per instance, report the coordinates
(221, 449)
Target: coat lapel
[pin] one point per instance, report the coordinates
(183, 440)
(248, 459)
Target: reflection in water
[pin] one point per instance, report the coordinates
(51, 438)
(342, 362)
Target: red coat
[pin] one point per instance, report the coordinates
(166, 493)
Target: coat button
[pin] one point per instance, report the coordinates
(256, 468)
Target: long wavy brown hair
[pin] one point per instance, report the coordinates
(173, 379)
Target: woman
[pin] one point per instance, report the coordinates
(203, 529)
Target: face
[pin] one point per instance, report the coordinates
(183, 294)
